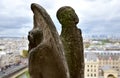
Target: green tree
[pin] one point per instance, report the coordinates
(25, 53)
(0, 49)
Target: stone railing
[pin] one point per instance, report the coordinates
(13, 72)
(21, 74)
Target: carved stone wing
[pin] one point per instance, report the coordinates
(46, 54)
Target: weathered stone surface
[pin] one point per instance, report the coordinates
(72, 40)
(46, 56)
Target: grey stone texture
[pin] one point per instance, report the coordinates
(46, 53)
(72, 41)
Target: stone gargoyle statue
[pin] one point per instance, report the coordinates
(46, 53)
(51, 55)
(71, 37)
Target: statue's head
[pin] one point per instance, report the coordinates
(35, 37)
(67, 16)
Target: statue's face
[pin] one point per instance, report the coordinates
(66, 15)
(35, 37)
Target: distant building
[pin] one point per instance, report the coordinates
(110, 72)
(9, 59)
(10, 49)
(91, 65)
(102, 64)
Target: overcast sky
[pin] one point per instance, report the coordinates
(96, 16)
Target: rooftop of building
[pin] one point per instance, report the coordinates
(104, 55)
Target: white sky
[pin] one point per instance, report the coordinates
(96, 16)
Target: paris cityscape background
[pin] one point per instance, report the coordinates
(99, 21)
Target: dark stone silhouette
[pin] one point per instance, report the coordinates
(46, 54)
(72, 40)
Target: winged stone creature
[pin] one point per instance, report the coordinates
(46, 53)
